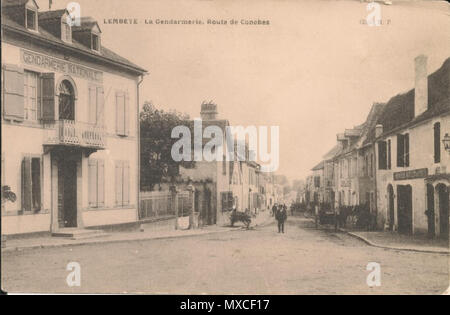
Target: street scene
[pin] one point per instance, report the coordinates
(236, 262)
(197, 147)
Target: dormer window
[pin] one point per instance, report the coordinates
(95, 42)
(66, 32)
(31, 19)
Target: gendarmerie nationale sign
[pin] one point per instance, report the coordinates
(413, 174)
(59, 65)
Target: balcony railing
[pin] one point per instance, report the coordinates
(69, 132)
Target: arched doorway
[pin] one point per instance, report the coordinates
(391, 213)
(443, 193)
(430, 210)
(66, 101)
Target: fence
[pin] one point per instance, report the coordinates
(155, 204)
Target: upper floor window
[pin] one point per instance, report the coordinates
(95, 42)
(31, 95)
(31, 19)
(403, 150)
(437, 142)
(66, 32)
(66, 101)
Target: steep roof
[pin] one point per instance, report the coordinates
(319, 166)
(50, 15)
(399, 110)
(105, 53)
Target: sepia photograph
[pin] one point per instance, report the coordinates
(225, 154)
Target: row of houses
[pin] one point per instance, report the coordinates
(221, 186)
(396, 163)
(70, 132)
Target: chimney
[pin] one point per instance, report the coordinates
(208, 111)
(421, 85)
(378, 130)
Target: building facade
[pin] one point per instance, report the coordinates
(70, 135)
(413, 176)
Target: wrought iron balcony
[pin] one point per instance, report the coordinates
(74, 133)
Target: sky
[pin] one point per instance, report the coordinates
(314, 71)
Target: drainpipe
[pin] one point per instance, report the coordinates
(138, 194)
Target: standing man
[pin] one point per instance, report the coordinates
(281, 217)
(274, 210)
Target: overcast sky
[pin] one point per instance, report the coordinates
(314, 71)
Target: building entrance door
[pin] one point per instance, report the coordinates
(442, 190)
(404, 194)
(430, 210)
(391, 208)
(67, 193)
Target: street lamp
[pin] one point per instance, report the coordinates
(446, 142)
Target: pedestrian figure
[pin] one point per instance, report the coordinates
(274, 210)
(281, 217)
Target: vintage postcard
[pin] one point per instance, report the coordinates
(208, 148)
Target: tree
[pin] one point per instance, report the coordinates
(156, 144)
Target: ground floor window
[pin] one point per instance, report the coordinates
(96, 183)
(226, 200)
(122, 178)
(31, 184)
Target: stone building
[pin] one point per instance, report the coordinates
(70, 135)
(413, 178)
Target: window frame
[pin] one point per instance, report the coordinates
(95, 42)
(41, 183)
(35, 18)
(26, 97)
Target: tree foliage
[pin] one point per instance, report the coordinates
(156, 127)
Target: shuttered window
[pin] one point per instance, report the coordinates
(389, 155)
(96, 184)
(13, 92)
(403, 150)
(31, 184)
(122, 183)
(407, 150)
(31, 95)
(48, 96)
(382, 155)
(227, 200)
(400, 151)
(122, 113)
(437, 143)
(96, 105)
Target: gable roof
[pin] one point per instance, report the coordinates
(319, 166)
(50, 15)
(104, 54)
(16, 3)
(399, 110)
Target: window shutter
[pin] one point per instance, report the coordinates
(437, 143)
(13, 92)
(100, 106)
(26, 184)
(92, 105)
(92, 173)
(118, 182)
(407, 150)
(382, 155)
(126, 183)
(101, 183)
(120, 111)
(126, 114)
(48, 96)
(400, 151)
(389, 155)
